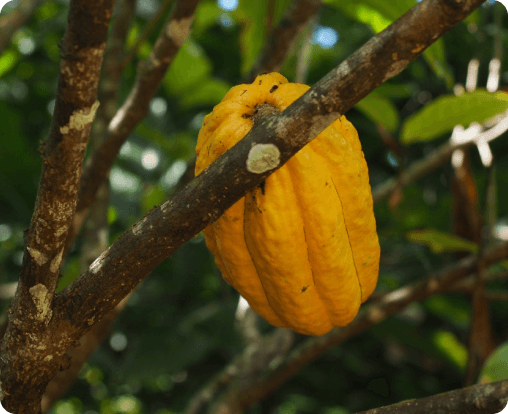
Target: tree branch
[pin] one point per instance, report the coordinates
(96, 234)
(438, 157)
(30, 312)
(478, 399)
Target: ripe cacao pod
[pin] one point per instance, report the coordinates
(302, 247)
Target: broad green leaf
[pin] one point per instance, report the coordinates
(209, 92)
(379, 14)
(153, 195)
(440, 242)
(189, 68)
(441, 115)
(496, 366)
(205, 16)
(379, 110)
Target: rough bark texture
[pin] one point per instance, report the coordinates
(479, 399)
(33, 349)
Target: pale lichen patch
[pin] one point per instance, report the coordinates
(39, 257)
(137, 229)
(96, 265)
(263, 157)
(177, 30)
(80, 118)
(55, 263)
(395, 68)
(48, 358)
(41, 299)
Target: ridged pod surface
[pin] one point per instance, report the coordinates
(301, 248)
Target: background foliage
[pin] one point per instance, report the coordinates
(179, 328)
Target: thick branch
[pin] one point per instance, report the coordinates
(30, 313)
(95, 237)
(478, 399)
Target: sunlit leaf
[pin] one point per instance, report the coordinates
(189, 69)
(444, 113)
(7, 61)
(440, 242)
(452, 348)
(209, 92)
(496, 366)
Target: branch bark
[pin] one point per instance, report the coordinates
(30, 335)
(478, 399)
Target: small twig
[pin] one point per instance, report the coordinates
(148, 29)
(438, 157)
(280, 40)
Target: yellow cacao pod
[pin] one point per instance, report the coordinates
(301, 248)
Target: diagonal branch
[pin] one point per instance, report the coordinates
(477, 399)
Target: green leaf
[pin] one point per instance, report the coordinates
(379, 110)
(190, 67)
(450, 309)
(452, 348)
(440, 242)
(209, 92)
(444, 113)
(153, 195)
(205, 17)
(7, 61)
(496, 366)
